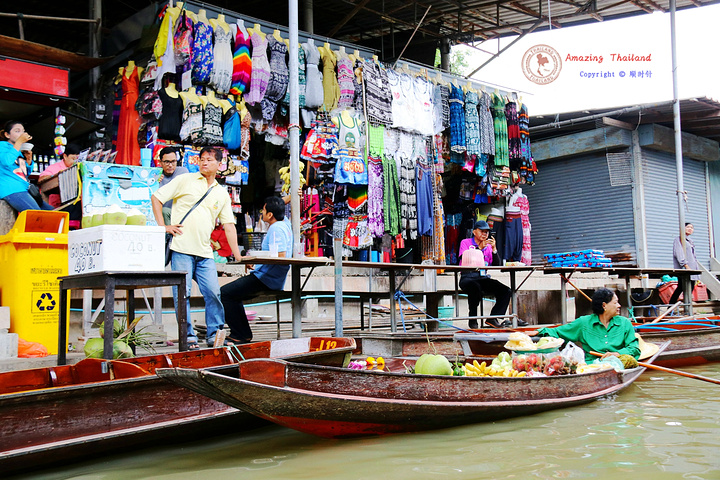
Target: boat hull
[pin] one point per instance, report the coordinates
(50, 425)
(339, 403)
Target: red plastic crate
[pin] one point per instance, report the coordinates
(699, 293)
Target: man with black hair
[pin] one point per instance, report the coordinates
(168, 162)
(191, 249)
(279, 237)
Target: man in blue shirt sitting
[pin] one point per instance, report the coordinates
(264, 278)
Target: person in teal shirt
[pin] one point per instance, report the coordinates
(604, 331)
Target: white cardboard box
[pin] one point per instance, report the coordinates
(128, 248)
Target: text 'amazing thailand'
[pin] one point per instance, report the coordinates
(614, 57)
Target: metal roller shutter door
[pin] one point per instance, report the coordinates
(573, 207)
(661, 207)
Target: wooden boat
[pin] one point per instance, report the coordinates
(338, 403)
(61, 413)
(693, 342)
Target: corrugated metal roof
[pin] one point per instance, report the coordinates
(699, 116)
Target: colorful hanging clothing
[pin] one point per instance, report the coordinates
(183, 41)
(164, 50)
(357, 86)
(245, 132)
(331, 89)
(128, 149)
(314, 81)
(487, 129)
(212, 130)
(513, 132)
(242, 63)
(260, 69)
(452, 240)
(472, 124)
(350, 167)
(406, 179)
(170, 121)
(457, 120)
(378, 96)
(391, 196)
(221, 76)
(345, 81)
(202, 54)
(192, 122)
(279, 78)
(376, 151)
(502, 158)
(425, 207)
(302, 81)
(526, 163)
(524, 205)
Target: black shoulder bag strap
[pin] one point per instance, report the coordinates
(196, 204)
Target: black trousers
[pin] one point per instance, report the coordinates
(678, 291)
(232, 296)
(476, 285)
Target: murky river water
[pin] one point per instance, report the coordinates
(662, 427)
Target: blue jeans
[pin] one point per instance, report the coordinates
(22, 201)
(203, 271)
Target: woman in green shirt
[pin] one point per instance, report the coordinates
(603, 331)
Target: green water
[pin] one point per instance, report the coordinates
(662, 427)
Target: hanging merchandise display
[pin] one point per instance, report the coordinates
(394, 160)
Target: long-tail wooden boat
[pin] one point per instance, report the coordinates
(54, 414)
(338, 403)
(694, 342)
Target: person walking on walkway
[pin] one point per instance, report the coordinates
(684, 259)
(191, 249)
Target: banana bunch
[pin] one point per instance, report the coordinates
(476, 369)
(285, 177)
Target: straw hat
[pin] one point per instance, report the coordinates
(647, 350)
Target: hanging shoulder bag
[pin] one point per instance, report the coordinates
(169, 236)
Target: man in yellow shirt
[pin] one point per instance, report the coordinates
(191, 249)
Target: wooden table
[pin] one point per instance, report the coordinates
(626, 273)
(391, 268)
(109, 282)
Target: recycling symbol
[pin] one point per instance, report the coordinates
(46, 303)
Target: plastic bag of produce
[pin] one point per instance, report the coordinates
(573, 354)
(614, 362)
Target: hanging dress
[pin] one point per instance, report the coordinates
(192, 122)
(302, 81)
(487, 130)
(331, 89)
(345, 81)
(170, 121)
(513, 128)
(128, 148)
(260, 69)
(242, 64)
(279, 78)
(314, 79)
(457, 121)
(212, 131)
(378, 96)
(502, 158)
(376, 151)
(202, 54)
(221, 76)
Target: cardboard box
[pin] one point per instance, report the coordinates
(125, 248)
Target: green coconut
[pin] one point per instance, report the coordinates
(429, 364)
(86, 221)
(94, 348)
(122, 350)
(114, 216)
(136, 217)
(97, 218)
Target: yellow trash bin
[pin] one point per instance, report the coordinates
(33, 255)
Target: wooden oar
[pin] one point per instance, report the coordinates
(667, 312)
(576, 288)
(670, 370)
